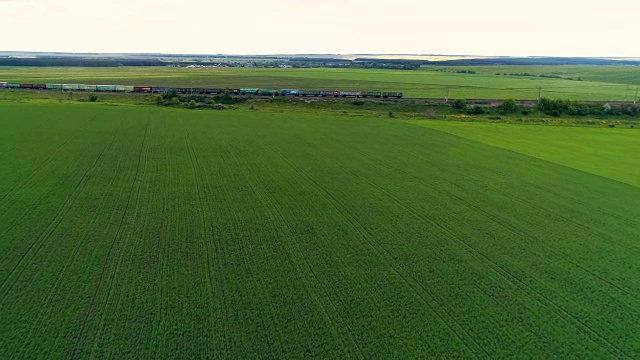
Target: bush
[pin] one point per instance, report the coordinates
(525, 112)
(558, 106)
(583, 110)
(459, 104)
(218, 107)
(192, 104)
(476, 110)
(226, 98)
(358, 103)
(94, 98)
(509, 106)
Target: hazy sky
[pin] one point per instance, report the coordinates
(489, 27)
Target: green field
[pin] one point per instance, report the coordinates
(610, 153)
(601, 83)
(136, 232)
(628, 75)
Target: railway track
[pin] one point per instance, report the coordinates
(434, 101)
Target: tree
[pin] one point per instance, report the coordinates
(509, 106)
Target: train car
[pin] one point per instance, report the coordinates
(4, 84)
(213, 91)
(375, 94)
(33, 86)
(85, 87)
(52, 86)
(396, 95)
(199, 91)
(124, 88)
(232, 91)
(71, 87)
(325, 93)
(268, 92)
(249, 91)
(159, 90)
(106, 88)
(354, 94)
(183, 90)
(142, 89)
(13, 85)
(288, 92)
(309, 92)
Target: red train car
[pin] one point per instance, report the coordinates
(142, 89)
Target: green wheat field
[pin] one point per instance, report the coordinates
(138, 232)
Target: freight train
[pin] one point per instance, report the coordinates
(204, 91)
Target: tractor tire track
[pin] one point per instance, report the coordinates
(74, 256)
(42, 165)
(367, 237)
(215, 255)
(49, 229)
(98, 288)
(599, 339)
(303, 268)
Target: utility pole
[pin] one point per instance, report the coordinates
(635, 98)
(446, 97)
(539, 93)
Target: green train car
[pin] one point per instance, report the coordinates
(105, 88)
(309, 93)
(392, 94)
(249, 91)
(269, 92)
(375, 94)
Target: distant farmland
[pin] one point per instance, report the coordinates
(133, 232)
(608, 83)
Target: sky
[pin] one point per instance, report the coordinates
(462, 27)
